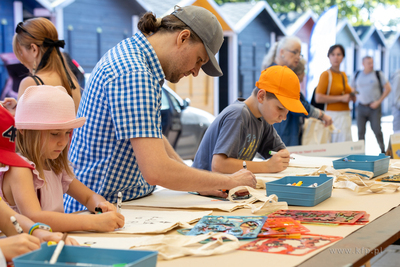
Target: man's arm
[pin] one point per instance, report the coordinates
(385, 93)
(159, 169)
(170, 151)
(277, 163)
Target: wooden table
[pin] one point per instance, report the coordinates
(360, 243)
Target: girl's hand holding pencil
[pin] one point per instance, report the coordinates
(107, 221)
(106, 206)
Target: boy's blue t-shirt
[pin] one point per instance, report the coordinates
(237, 133)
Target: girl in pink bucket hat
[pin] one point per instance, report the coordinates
(45, 117)
(16, 245)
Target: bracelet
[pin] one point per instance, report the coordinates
(40, 226)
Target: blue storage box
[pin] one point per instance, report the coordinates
(301, 195)
(81, 256)
(376, 164)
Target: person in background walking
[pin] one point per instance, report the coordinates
(370, 84)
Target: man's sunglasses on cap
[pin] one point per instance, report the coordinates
(19, 28)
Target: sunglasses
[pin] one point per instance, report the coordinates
(19, 28)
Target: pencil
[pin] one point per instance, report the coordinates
(119, 202)
(58, 249)
(16, 225)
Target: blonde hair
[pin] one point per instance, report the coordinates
(31, 145)
(276, 48)
(41, 28)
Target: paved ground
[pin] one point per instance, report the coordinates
(390, 257)
(371, 145)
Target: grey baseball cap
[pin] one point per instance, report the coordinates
(208, 28)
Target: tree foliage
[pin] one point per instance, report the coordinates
(352, 9)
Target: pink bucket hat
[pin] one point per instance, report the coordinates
(45, 107)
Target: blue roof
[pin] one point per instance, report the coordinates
(362, 31)
(288, 19)
(234, 12)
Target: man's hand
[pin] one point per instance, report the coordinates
(215, 193)
(375, 104)
(243, 178)
(219, 193)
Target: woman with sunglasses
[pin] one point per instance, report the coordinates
(36, 45)
(287, 52)
(334, 91)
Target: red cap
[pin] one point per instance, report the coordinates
(7, 141)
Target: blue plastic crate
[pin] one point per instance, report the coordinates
(376, 164)
(301, 195)
(81, 256)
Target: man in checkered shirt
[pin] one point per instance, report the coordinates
(121, 146)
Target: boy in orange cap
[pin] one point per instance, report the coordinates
(245, 127)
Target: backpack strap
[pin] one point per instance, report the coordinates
(344, 83)
(355, 76)
(378, 76)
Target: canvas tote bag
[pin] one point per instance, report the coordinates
(315, 132)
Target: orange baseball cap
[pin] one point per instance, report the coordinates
(285, 85)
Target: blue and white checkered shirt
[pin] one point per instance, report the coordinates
(122, 100)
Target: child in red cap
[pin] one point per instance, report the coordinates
(18, 244)
(245, 127)
(45, 117)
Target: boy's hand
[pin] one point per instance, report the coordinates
(279, 161)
